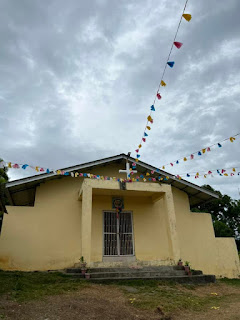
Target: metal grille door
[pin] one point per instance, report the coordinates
(118, 234)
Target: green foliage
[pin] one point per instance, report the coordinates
(222, 230)
(24, 286)
(225, 210)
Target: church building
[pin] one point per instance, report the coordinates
(90, 210)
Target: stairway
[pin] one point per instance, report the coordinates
(166, 273)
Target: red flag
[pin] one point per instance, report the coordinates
(159, 96)
(192, 156)
(178, 44)
(143, 139)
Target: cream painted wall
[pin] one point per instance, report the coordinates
(151, 241)
(198, 244)
(48, 235)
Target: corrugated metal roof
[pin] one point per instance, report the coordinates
(22, 191)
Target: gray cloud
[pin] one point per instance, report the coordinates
(78, 78)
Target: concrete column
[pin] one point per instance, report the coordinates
(86, 221)
(172, 225)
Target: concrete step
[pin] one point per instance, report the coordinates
(128, 269)
(133, 274)
(197, 279)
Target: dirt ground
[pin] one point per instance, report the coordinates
(110, 302)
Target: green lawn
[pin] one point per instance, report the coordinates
(147, 295)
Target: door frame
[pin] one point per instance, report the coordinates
(133, 237)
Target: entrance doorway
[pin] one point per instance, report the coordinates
(117, 234)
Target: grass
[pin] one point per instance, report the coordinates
(147, 295)
(169, 297)
(25, 286)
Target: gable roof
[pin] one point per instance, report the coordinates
(22, 191)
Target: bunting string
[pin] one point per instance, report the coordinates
(200, 152)
(153, 175)
(158, 96)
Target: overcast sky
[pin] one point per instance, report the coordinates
(77, 79)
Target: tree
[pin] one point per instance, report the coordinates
(225, 213)
(3, 198)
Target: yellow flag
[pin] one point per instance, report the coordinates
(185, 159)
(9, 165)
(136, 160)
(234, 169)
(147, 174)
(163, 83)
(187, 16)
(163, 167)
(37, 169)
(203, 150)
(76, 174)
(205, 176)
(144, 179)
(149, 118)
(232, 139)
(225, 174)
(140, 146)
(197, 174)
(167, 177)
(149, 128)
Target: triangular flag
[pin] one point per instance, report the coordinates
(152, 172)
(197, 174)
(145, 134)
(147, 174)
(137, 150)
(192, 156)
(208, 149)
(149, 118)
(203, 150)
(41, 169)
(152, 108)
(140, 146)
(171, 164)
(199, 153)
(188, 175)
(37, 169)
(163, 167)
(232, 139)
(136, 159)
(76, 174)
(223, 170)
(15, 166)
(134, 164)
(171, 64)
(234, 169)
(143, 139)
(72, 174)
(149, 128)
(9, 165)
(159, 96)
(47, 171)
(209, 172)
(185, 159)
(178, 44)
(163, 84)
(205, 176)
(219, 145)
(225, 174)
(24, 166)
(187, 16)
(177, 162)
(138, 156)
(232, 174)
